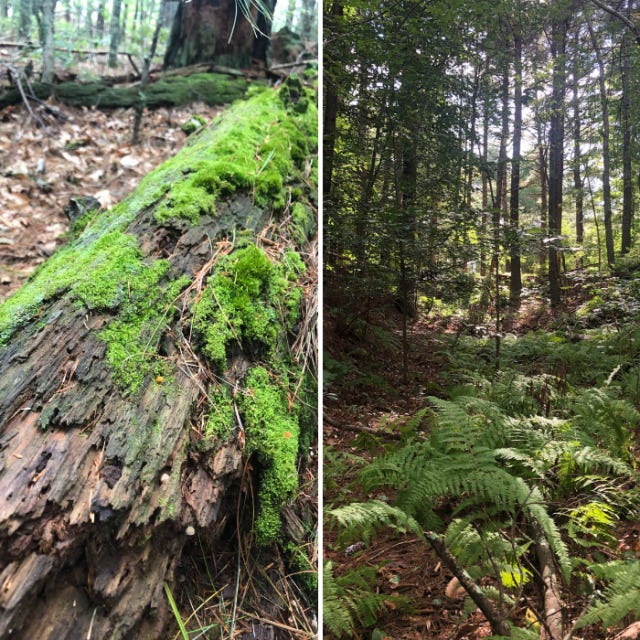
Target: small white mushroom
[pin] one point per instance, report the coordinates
(190, 531)
(164, 478)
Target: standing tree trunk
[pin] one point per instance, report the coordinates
(100, 18)
(577, 135)
(515, 283)
(217, 31)
(48, 64)
(625, 117)
(26, 9)
(606, 160)
(484, 222)
(114, 33)
(559, 28)
(332, 20)
(147, 369)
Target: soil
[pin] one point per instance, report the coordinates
(47, 159)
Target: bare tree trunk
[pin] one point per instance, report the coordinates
(577, 133)
(26, 9)
(215, 31)
(114, 33)
(515, 282)
(48, 11)
(330, 106)
(627, 182)
(606, 171)
(556, 146)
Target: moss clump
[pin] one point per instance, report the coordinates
(272, 433)
(260, 157)
(194, 123)
(107, 274)
(304, 222)
(249, 300)
(133, 337)
(220, 419)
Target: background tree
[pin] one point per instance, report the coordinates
(213, 30)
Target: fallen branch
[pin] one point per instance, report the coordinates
(551, 586)
(15, 78)
(494, 617)
(360, 428)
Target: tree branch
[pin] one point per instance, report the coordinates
(621, 17)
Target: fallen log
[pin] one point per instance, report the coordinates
(211, 88)
(155, 374)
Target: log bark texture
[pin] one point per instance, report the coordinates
(211, 88)
(106, 466)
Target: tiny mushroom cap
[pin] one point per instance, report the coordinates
(165, 477)
(190, 531)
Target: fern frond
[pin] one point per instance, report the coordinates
(620, 598)
(363, 519)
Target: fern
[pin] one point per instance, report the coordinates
(350, 600)
(620, 598)
(361, 520)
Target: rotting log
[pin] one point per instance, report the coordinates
(211, 88)
(151, 366)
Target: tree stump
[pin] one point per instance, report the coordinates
(150, 364)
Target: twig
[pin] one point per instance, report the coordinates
(15, 75)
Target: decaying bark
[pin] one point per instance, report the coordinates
(211, 88)
(100, 487)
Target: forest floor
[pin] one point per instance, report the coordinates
(366, 405)
(84, 152)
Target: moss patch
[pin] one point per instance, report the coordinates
(272, 434)
(108, 274)
(250, 302)
(259, 157)
(220, 420)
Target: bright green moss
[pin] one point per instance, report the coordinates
(220, 420)
(246, 301)
(107, 274)
(303, 222)
(272, 433)
(231, 155)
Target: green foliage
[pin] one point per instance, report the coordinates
(248, 301)
(350, 600)
(620, 598)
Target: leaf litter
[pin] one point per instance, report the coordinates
(82, 153)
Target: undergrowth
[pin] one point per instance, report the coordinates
(540, 453)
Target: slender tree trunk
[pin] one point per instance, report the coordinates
(48, 61)
(501, 174)
(577, 134)
(556, 144)
(291, 12)
(26, 9)
(330, 102)
(123, 23)
(100, 20)
(309, 9)
(472, 137)
(484, 222)
(625, 116)
(606, 160)
(114, 33)
(515, 283)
